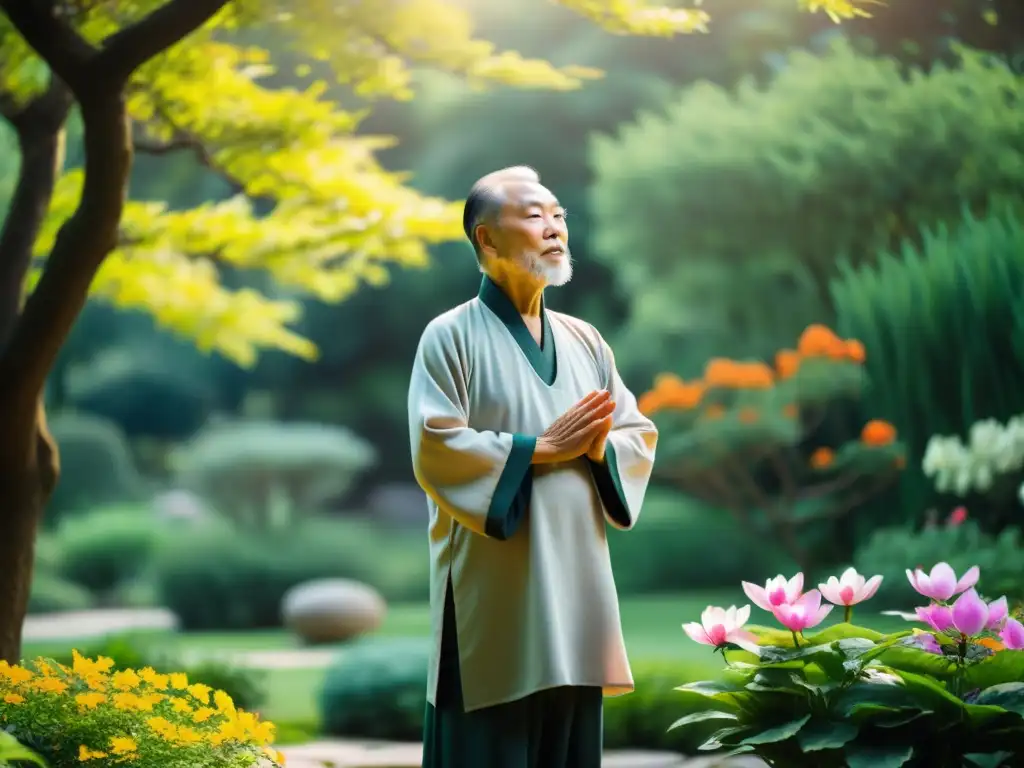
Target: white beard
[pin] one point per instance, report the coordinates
(554, 275)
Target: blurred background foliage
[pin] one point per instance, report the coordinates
(804, 241)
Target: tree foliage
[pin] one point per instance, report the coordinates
(743, 201)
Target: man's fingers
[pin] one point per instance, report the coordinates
(596, 411)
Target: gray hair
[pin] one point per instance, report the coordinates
(487, 195)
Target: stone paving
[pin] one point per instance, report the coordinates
(348, 754)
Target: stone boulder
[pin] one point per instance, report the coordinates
(332, 610)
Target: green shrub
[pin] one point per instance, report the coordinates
(96, 466)
(377, 690)
(237, 580)
(106, 547)
(246, 687)
(668, 549)
(262, 473)
(944, 333)
(50, 593)
(890, 551)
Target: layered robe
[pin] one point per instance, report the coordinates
(524, 612)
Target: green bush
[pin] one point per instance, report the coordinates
(944, 333)
(96, 466)
(890, 551)
(668, 549)
(237, 580)
(50, 593)
(246, 687)
(377, 690)
(104, 548)
(262, 473)
(743, 199)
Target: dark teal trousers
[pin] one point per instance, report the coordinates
(555, 728)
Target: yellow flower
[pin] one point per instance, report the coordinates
(154, 678)
(223, 702)
(148, 700)
(162, 727)
(125, 679)
(179, 704)
(129, 702)
(122, 745)
(14, 698)
(15, 674)
(203, 714)
(179, 681)
(84, 754)
(188, 736)
(200, 692)
(50, 685)
(90, 700)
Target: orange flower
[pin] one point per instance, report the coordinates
(790, 411)
(670, 391)
(731, 374)
(819, 341)
(787, 363)
(822, 458)
(714, 411)
(747, 415)
(855, 351)
(878, 433)
(991, 643)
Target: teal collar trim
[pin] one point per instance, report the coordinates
(542, 357)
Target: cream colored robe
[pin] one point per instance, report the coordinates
(524, 546)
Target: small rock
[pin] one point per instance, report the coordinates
(332, 610)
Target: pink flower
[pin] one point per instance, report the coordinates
(775, 592)
(719, 626)
(997, 613)
(805, 613)
(941, 584)
(957, 517)
(1013, 635)
(850, 588)
(970, 613)
(928, 643)
(938, 617)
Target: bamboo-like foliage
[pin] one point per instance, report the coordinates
(945, 325)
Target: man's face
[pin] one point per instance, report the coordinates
(531, 233)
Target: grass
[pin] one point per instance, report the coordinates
(651, 625)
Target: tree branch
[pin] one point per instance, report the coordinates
(128, 49)
(53, 39)
(39, 127)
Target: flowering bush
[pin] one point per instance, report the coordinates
(745, 437)
(949, 693)
(91, 714)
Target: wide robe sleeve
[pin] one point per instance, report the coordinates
(483, 480)
(623, 476)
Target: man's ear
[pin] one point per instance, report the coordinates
(485, 239)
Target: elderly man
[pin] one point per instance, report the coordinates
(526, 442)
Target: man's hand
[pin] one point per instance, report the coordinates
(596, 450)
(574, 432)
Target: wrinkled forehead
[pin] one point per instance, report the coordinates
(520, 195)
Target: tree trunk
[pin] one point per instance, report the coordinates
(28, 475)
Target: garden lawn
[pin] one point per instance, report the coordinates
(651, 624)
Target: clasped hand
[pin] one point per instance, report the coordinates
(583, 429)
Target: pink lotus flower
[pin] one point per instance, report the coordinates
(970, 613)
(938, 617)
(1013, 635)
(850, 588)
(805, 613)
(941, 584)
(928, 643)
(775, 592)
(719, 626)
(997, 613)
